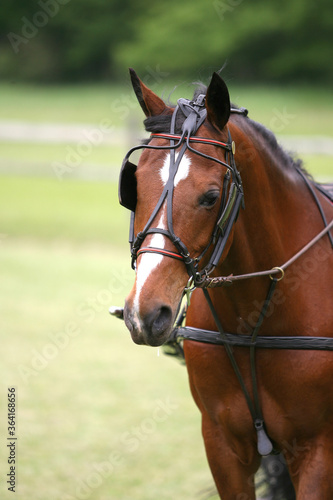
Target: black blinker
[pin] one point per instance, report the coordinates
(127, 186)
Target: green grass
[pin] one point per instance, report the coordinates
(71, 211)
(62, 104)
(305, 110)
(46, 154)
(320, 166)
(288, 110)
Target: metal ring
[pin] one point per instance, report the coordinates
(281, 271)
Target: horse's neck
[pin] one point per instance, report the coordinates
(275, 208)
(272, 227)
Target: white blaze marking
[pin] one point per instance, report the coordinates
(150, 261)
(182, 172)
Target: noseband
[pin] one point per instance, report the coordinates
(231, 199)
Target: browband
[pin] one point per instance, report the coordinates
(202, 140)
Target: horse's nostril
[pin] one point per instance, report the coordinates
(161, 321)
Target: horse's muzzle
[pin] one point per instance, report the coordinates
(153, 328)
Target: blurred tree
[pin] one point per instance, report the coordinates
(273, 41)
(280, 40)
(63, 39)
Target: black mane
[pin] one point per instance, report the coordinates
(162, 124)
(287, 159)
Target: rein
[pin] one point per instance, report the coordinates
(223, 280)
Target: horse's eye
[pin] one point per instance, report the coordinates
(209, 199)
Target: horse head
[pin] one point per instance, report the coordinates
(182, 192)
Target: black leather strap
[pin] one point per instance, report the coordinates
(302, 343)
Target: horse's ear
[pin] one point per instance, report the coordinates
(151, 104)
(217, 102)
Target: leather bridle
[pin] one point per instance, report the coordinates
(232, 197)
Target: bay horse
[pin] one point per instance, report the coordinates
(214, 195)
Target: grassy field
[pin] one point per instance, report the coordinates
(95, 413)
(286, 111)
(306, 110)
(97, 417)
